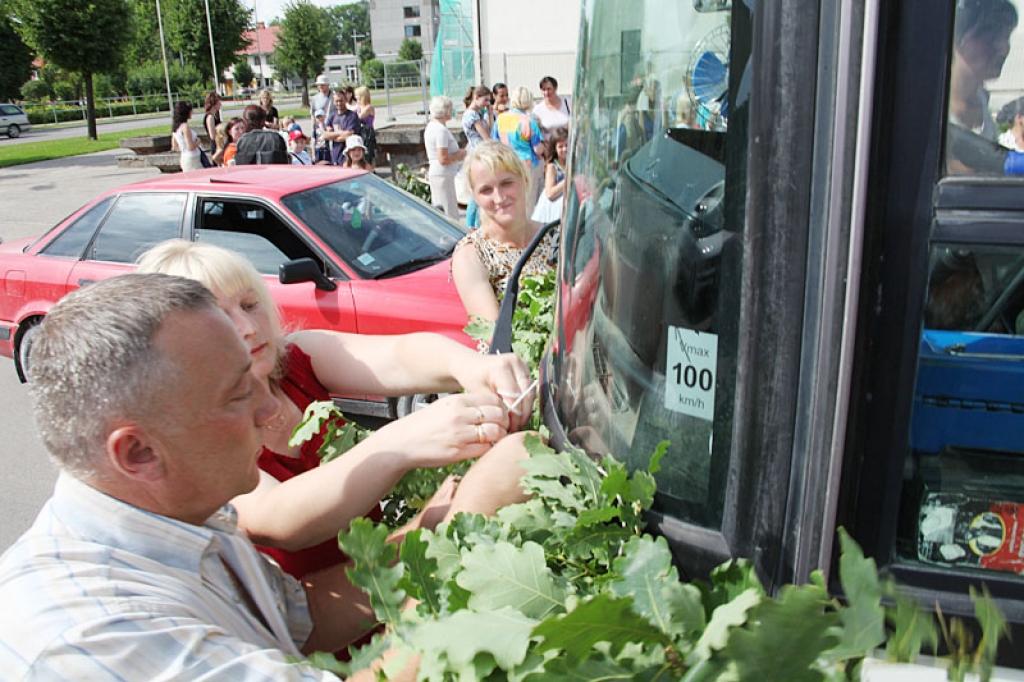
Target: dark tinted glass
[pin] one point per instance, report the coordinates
(963, 499)
(73, 240)
(137, 222)
(251, 230)
(648, 302)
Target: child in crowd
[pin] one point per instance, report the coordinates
(236, 128)
(220, 139)
(556, 149)
(355, 154)
(297, 142)
(321, 148)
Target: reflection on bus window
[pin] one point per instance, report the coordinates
(985, 85)
(648, 303)
(963, 505)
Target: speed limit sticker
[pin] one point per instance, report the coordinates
(690, 366)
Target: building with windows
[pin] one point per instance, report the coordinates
(392, 21)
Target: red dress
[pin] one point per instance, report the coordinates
(302, 388)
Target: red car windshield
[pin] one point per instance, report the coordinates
(376, 229)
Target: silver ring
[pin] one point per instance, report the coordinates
(480, 413)
(480, 434)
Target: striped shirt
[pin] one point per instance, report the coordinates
(99, 589)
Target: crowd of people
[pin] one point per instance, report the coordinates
(510, 117)
(341, 125)
(514, 165)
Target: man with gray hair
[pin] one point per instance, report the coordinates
(135, 568)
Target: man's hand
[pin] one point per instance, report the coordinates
(504, 375)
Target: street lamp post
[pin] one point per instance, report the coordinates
(163, 52)
(213, 56)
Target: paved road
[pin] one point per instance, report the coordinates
(33, 198)
(38, 134)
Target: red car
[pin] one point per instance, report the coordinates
(340, 249)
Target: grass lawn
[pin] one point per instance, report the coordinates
(16, 154)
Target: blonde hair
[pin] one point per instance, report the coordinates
(220, 135)
(266, 93)
(363, 95)
(223, 272)
(496, 157)
(521, 98)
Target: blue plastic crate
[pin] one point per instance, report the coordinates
(970, 392)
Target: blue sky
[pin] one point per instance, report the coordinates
(268, 9)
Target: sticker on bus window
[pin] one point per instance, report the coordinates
(690, 366)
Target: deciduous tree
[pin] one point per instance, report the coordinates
(185, 26)
(347, 19)
(243, 74)
(15, 58)
(303, 42)
(86, 40)
(410, 50)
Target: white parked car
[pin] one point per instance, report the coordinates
(13, 120)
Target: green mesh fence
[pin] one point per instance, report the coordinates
(451, 71)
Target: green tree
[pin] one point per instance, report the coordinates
(373, 70)
(142, 41)
(243, 73)
(37, 90)
(303, 42)
(15, 58)
(366, 52)
(187, 35)
(410, 50)
(86, 42)
(347, 19)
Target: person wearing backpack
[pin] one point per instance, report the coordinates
(259, 145)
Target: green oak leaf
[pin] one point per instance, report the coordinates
(362, 657)
(592, 517)
(616, 479)
(315, 415)
(443, 550)
(646, 574)
(529, 520)
(728, 581)
(535, 446)
(588, 478)
(373, 567)
(654, 465)
(785, 637)
(420, 580)
(323, 660)
(505, 575)
(600, 542)
(725, 618)
(590, 670)
(604, 618)
(863, 619)
(479, 329)
(458, 639)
